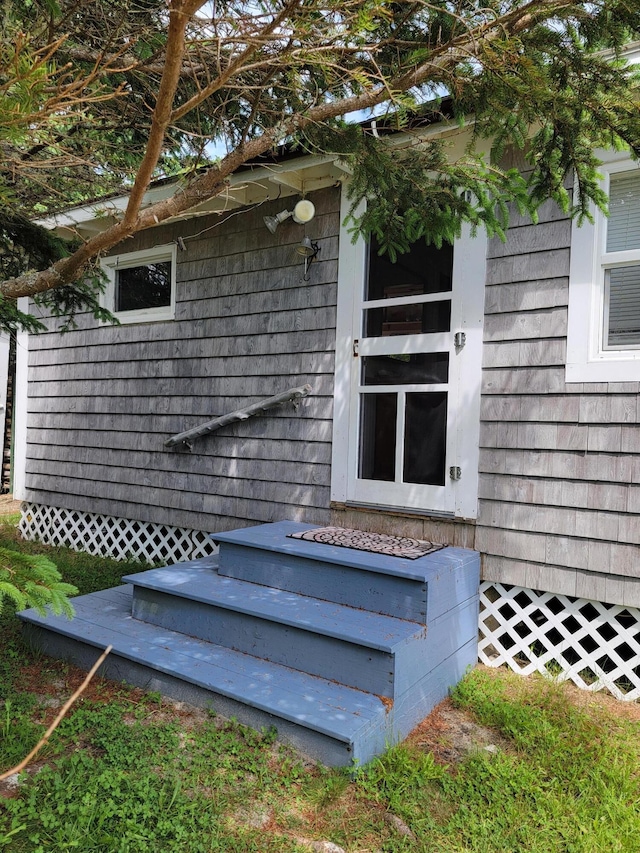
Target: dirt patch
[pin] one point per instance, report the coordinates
(52, 683)
(8, 506)
(450, 735)
(175, 711)
(10, 787)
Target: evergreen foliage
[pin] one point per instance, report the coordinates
(103, 96)
(417, 195)
(32, 580)
(26, 245)
(23, 244)
(69, 300)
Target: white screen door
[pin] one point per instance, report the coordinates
(408, 377)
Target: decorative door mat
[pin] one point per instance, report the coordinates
(375, 543)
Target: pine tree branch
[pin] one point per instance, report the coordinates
(441, 62)
(180, 11)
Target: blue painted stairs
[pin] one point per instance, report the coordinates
(343, 651)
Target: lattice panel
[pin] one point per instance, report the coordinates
(108, 536)
(595, 645)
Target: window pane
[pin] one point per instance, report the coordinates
(378, 436)
(423, 368)
(623, 225)
(146, 286)
(623, 287)
(424, 269)
(425, 438)
(423, 318)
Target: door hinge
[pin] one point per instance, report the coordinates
(459, 340)
(455, 473)
(356, 344)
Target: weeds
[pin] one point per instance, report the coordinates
(132, 783)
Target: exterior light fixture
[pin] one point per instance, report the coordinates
(303, 212)
(309, 252)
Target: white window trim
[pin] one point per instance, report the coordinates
(135, 259)
(20, 406)
(587, 359)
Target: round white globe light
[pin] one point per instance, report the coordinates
(304, 211)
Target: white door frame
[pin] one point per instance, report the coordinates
(469, 272)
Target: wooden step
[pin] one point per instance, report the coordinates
(332, 723)
(344, 644)
(415, 590)
(355, 647)
(328, 721)
(343, 651)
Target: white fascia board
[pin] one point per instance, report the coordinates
(316, 171)
(630, 53)
(441, 130)
(103, 210)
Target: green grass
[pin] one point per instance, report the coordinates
(568, 781)
(128, 772)
(132, 783)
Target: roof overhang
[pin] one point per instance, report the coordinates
(250, 185)
(286, 175)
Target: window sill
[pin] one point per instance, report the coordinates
(149, 316)
(604, 370)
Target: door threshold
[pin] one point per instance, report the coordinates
(399, 511)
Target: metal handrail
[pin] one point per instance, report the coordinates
(186, 438)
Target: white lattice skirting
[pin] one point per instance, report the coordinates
(107, 536)
(595, 645)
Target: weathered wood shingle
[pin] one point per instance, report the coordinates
(558, 509)
(103, 399)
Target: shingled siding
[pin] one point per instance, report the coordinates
(103, 399)
(560, 463)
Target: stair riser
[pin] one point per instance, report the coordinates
(432, 688)
(451, 581)
(444, 636)
(379, 593)
(318, 746)
(328, 657)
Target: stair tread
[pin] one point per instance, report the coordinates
(104, 618)
(274, 537)
(198, 580)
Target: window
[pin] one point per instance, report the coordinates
(622, 277)
(603, 340)
(141, 285)
(403, 394)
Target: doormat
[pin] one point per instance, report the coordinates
(375, 543)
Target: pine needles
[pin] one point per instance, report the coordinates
(32, 580)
